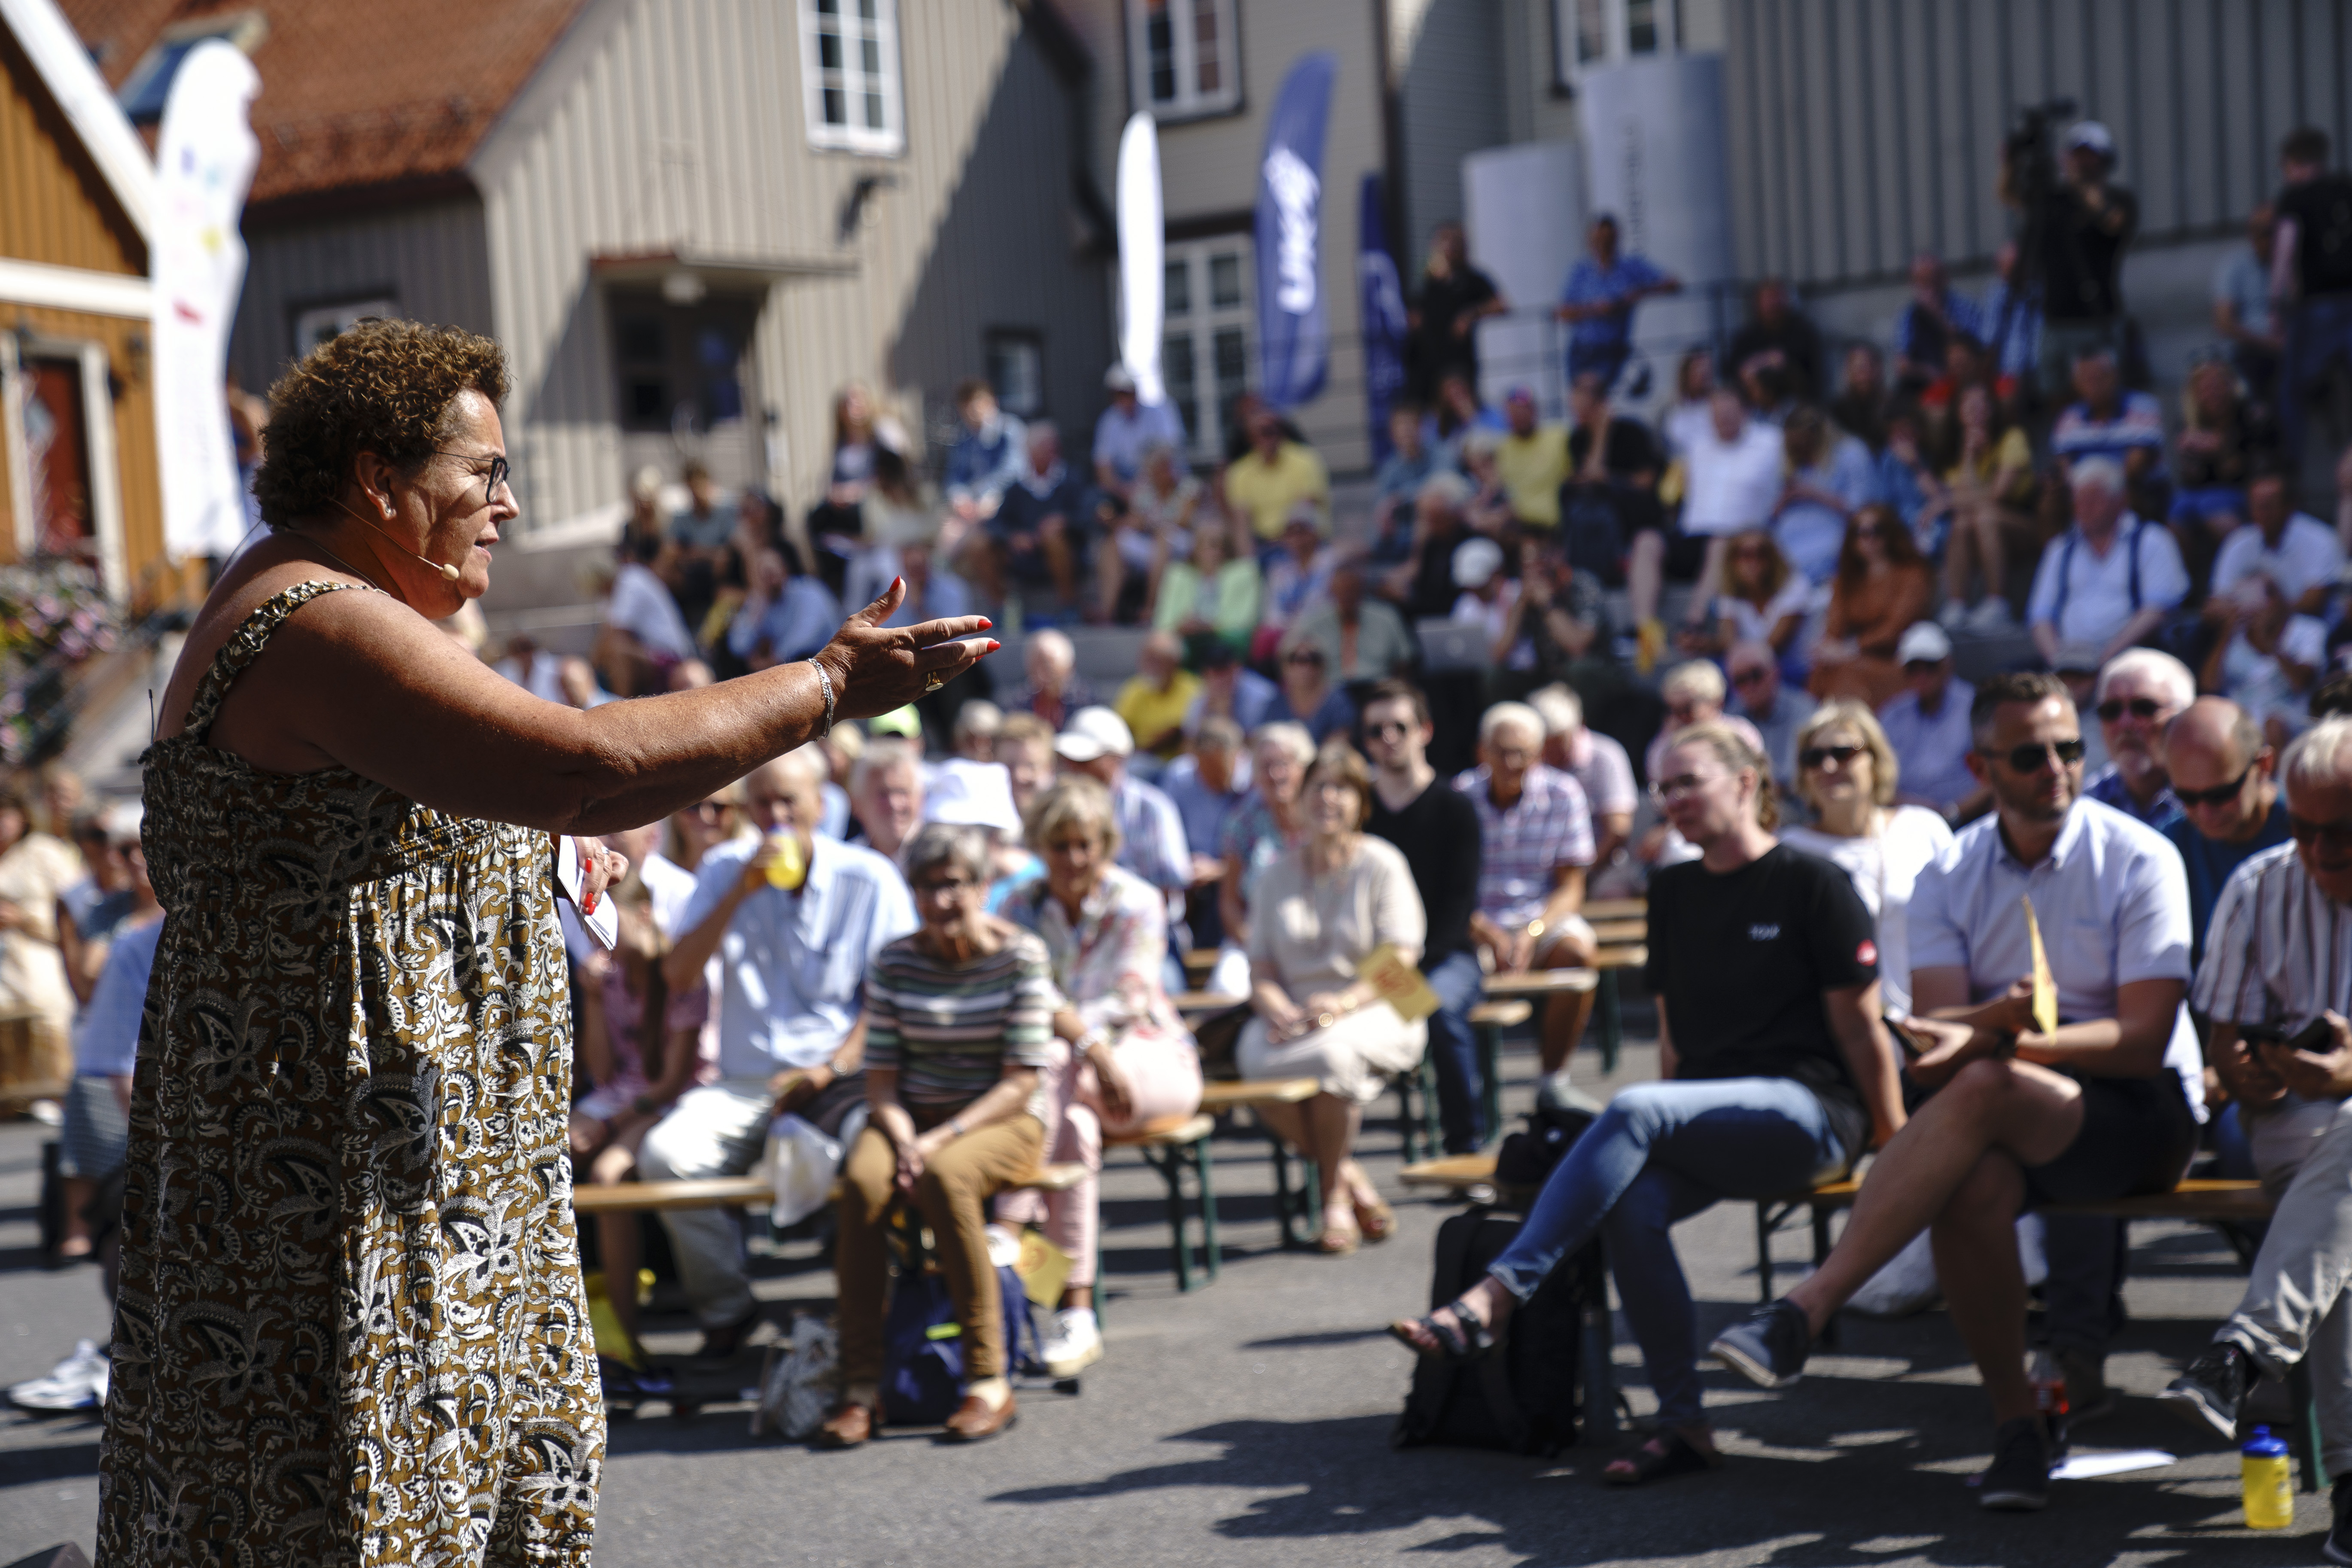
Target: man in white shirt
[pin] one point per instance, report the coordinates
(2105, 1106)
(1129, 429)
(2296, 551)
(2109, 580)
(792, 968)
(643, 632)
(1737, 468)
(2278, 957)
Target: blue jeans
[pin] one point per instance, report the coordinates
(1660, 1153)
(1454, 1051)
(2322, 330)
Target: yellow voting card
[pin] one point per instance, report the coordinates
(1400, 984)
(2045, 990)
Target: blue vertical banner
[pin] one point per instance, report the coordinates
(1294, 333)
(1383, 317)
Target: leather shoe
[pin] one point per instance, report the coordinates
(973, 1420)
(848, 1426)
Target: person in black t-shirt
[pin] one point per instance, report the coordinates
(1438, 828)
(2085, 221)
(1778, 1069)
(2310, 273)
(1444, 319)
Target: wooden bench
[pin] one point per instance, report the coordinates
(1198, 963)
(1620, 933)
(1296, 1199)
(1197, 1004)
(1167, 1146)
(1599, 909)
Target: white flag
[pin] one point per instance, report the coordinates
(204, 165)
(1142, 248)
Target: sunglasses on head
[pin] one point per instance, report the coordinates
(2114, 708)
(2220, 795)
(2032, 759)
(1814, 756)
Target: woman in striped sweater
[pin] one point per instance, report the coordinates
(958, 1027)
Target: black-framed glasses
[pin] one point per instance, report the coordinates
(2336, 836)
(2114, 708)
(1814, 756)
(1303, 656)
(1754, 674)
(2032, 759)
(2220, 795)
(1386, 727)
(500, 472)
(944, 887)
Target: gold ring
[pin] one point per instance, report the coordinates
(933, 684)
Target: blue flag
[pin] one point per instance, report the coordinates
(1293, 329)
(1383, 317)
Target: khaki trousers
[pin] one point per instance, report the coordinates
(952, 1196)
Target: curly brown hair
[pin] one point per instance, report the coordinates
(385, 387)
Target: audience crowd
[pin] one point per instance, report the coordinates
(922, 959)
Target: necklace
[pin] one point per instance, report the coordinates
(320, 544)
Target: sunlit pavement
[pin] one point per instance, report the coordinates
(1248, 1423)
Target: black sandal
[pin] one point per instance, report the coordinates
(1668, 1454)
(1464, 1339)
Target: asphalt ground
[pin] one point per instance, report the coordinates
(1247, 1423)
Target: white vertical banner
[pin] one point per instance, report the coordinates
(204, 164)
(1142, 256)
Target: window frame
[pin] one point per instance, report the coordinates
(349, 307)
(889, 142)
(1190, 102)
(1201, 322)
(1616, 27)
(996, 341)
(164, 56)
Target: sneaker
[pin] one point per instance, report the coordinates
(2338, 1545)
(2018, 1478)
(2088, 1398)
(1073, 1343)
(1555, 1092)
(2212, 1386)
(1991, 616)
(77, 1383)
(1768, 1347)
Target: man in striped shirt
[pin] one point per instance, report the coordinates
(2278, 957)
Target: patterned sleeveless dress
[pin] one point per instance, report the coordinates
(351, 1329)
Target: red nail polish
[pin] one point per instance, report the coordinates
(994, 645)
(987, 625)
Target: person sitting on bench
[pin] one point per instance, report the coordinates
(1778, 1072)
(2278, 956)
(958, 1030)
(2104, 1107)
(791, 965)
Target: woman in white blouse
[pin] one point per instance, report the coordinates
(1126, 1059)
(1317, 912)
(1846, 771)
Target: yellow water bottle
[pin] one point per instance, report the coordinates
(2269, 1483)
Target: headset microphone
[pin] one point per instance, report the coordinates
(448, 572)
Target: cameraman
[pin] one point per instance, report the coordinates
(2311, 276)
(2084, 223)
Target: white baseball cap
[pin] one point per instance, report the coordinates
(1923, 642)
(2090, 134)
(969, 793)
(1094, 733)
(1476, 561)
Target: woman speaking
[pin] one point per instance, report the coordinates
(350, 1326)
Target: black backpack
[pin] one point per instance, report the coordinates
(1525, 1395)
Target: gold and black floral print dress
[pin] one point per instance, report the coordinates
(351, 1328)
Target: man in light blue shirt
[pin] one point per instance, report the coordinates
(787, 615)
(2241, 304)
(793, 972)
(1927, 723)
(1127, 429)
(1598, 301)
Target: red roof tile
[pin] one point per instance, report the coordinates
(356, 94)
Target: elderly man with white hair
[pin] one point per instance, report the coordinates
(1596, 762)
(793, 917)
(886, 793)
(1535, 830)
(2140, 691)
(2112, 578)
(2278, 960)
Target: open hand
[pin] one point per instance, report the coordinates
(879, 669)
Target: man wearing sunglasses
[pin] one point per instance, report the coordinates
(2106, 1105)
(2277, 959)
(2222, 773)
(2140, 691)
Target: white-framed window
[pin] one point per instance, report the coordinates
(1205, 359)
(1603, 32)
(1185, 57)
(849, 75)
(1016, 370)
